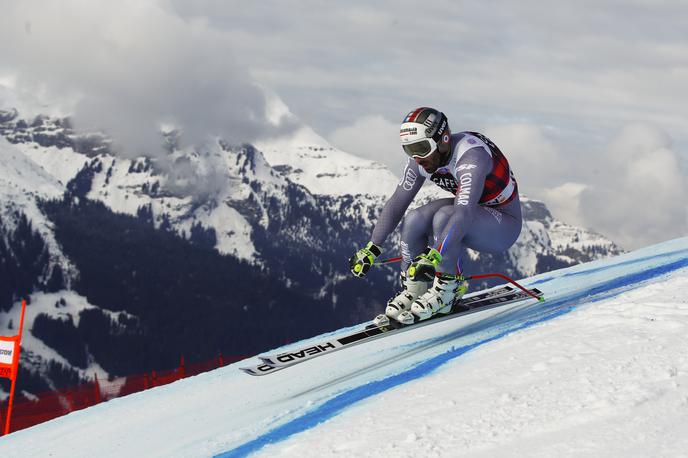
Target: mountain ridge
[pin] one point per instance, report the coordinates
(282, 210)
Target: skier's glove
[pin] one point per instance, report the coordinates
(424, 266)
(360, 262)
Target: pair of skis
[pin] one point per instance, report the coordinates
(496, 297)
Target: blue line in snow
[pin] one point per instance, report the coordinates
(544, 312)
(607, 267)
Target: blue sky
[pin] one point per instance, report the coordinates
(586, 97)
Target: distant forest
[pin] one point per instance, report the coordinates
(186, 297)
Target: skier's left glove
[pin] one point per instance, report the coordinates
(424, 266)
(364, 258)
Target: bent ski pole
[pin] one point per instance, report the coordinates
(504, 277)
(476, 277)
(388, 261)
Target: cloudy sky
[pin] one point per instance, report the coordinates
(586, 98)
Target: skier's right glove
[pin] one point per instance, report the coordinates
(424, 265)
(360, 262)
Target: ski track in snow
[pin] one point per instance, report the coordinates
(607, 377)
(553, 308)
(560, 388)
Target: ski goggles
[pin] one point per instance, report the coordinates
(420, 149)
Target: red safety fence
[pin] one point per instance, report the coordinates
(32, 409)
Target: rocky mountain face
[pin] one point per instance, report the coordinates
(129, 263)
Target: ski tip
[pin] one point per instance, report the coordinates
(259, 370)
(248, 370)
(541, 298)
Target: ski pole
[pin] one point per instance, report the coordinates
(476, 277)
(504, 277)
(388, 261)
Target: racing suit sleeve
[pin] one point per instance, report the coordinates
(471, 170)
(395, 208)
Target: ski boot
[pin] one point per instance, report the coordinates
(446, 289)
(411, 290)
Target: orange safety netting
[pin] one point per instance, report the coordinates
(46, 406)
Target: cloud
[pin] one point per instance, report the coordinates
(129, 67)
(372, 137)
(642, 199)
(544, 169)
(564, 202)
(553, 84)
(631, 189)
(538, 161)
(586, 65)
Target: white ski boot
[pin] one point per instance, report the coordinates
(446, 289)
(411, 290)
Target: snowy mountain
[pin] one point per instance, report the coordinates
(598, 369)
(195, 233)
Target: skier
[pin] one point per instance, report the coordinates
(484, 215)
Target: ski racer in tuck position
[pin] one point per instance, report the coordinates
(484, 215)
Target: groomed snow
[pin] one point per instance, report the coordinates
(609, 379)
(599, 369)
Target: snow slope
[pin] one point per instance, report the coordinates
(608, 379)
(308, 159)
(64, 306)
(21, 183)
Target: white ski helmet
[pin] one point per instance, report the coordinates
(423, 131)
